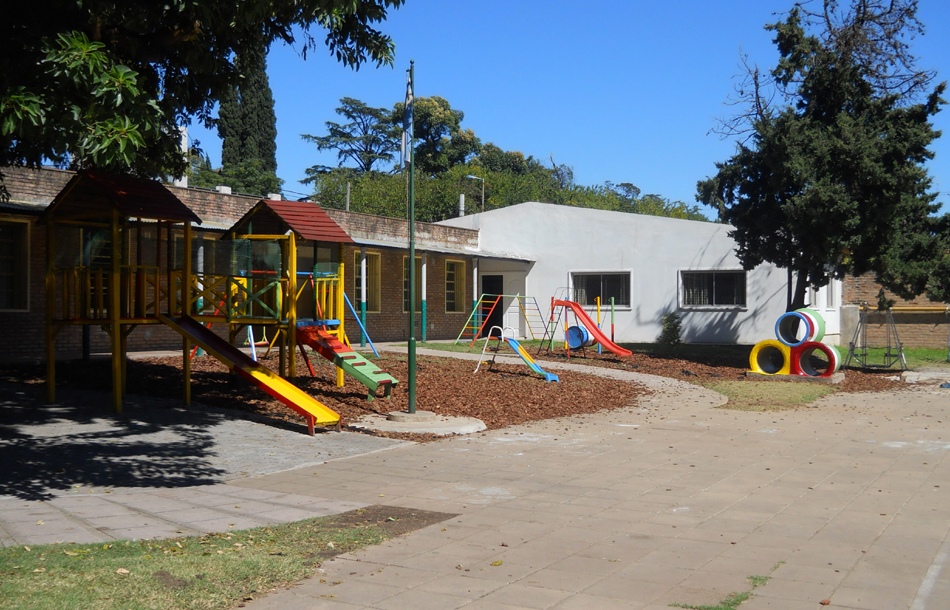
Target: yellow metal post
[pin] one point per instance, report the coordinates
(291, 301)
(337, 298)
(115, 304)
(50, 305)
(186, 309)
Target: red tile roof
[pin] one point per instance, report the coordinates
(94, 190)
(306, 219)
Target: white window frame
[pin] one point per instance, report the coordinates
(372, 283)
(27, 255)
(681, 296)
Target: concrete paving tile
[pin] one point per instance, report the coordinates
(795, 590)
(771, 603)
(585, 601)
(223, 524)
(819, 554)
(422, 600)
(526, 596)
(682, 595)
(824, 575)
(505, 573)
(142, 533)
(287, 600)
(627, 589)
(355, 592)
(871, 599)
(459, 584)
(649, 571)
(562, 580)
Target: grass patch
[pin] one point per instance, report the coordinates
(917, 357)
(207, 572)
(768, 396)
(734, 600)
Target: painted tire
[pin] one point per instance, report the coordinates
(819, 323)
(801, 359)
(785, 324)
(770, 357)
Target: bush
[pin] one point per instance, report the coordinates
(672, 327)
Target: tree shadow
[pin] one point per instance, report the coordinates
(46, 449)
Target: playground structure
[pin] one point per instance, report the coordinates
(799, 337)
(121, 254)
(513, 344)
(526, 308)
(584, 333)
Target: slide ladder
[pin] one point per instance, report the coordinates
(315, 412)
(343, 356)
(534, 319)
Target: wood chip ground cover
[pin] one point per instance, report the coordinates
(506, 395)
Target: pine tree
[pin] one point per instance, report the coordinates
(248, 126)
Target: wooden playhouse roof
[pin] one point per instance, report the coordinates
(94, 192)
(305, 218)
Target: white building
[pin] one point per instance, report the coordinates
(650, 265)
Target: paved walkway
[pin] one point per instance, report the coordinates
(75, 472)
(672, 501)
(669, 501)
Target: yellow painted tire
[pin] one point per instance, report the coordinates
(770, 357)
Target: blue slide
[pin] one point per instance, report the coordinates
(530, 361)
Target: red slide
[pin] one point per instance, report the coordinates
(591, 327)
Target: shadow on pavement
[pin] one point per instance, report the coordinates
(46, 449)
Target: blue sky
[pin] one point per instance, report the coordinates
(620, 90)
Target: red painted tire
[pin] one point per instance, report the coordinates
(801, 359)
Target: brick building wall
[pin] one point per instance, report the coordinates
(914, 328)
(391, 323)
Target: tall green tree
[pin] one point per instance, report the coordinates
(833, 182)
(367, 138)
(247, 125)
(246, 120)
(104, 83)
(441, 141)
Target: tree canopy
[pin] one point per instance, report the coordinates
(106, 84)
(368, 138)
(833, 182)
(441, 141)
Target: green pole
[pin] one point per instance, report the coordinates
(363, 321)
(412, 254)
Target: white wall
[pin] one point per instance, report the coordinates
(562, 240)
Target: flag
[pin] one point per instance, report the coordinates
(407, 119)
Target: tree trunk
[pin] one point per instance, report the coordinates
(801, 288)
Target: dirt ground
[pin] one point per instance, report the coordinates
(508, 394)
(503, 396)
(730, 365)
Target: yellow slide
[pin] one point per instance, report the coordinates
(260, 376)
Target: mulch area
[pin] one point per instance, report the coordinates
(680, 364)
(503, 396)
(506, 395)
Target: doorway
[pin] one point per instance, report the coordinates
(493, 286)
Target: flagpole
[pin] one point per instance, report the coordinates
(412, 244)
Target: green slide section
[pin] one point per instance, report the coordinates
(352, 363)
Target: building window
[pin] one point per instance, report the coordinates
(589, 286)
(405, 284)
(713, 288)
(454, 287)
(14, 265)
(372, 281)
